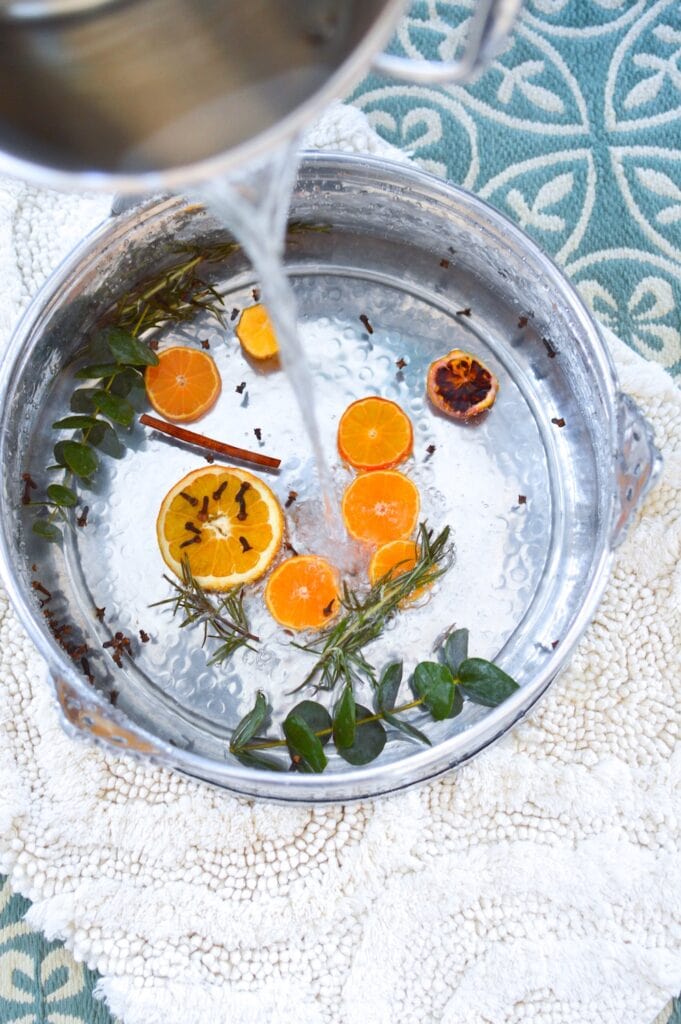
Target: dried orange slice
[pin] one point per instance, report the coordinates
(302, 592)
(381, 506)
(256, 333)
(461, 385)
(225, 521)
(184, 385)
(374, 433)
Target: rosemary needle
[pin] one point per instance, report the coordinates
(338, 649)
(224, 620)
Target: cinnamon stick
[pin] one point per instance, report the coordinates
(191, 437)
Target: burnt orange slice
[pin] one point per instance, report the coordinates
(461, 386)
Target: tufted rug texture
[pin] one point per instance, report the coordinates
(541, 882)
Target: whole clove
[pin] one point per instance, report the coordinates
(240, 499)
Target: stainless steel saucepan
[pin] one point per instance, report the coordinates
(152, 96)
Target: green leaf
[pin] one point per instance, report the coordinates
(74, 423)
(250, 724)
(126, 349)
(388, 686)
(127, 380)
(302, 741)
(253, 759)
(81, 400)
(117, 409)
(485, 683)
(62, 495)
(406, 728)
(369, 740)
(316, 716)
(77, 457)
(344, 719)
(435, 684)
(104, 437)
(97, 371)
(46, 530)
(455, 649)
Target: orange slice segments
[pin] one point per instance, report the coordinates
(374, 433)
(225, 521)
(394, 559)
(256, 333)
(302, 592)
(184, 385)
(381, 506)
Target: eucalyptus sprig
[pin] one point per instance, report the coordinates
(358, 734)
(223, 619)
(338, 649)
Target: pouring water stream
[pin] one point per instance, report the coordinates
(255, 209)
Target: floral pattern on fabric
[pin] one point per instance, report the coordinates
(575, 133)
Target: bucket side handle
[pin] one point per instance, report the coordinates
(638, 465)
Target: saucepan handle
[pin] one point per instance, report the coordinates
(638, 464)
(490, 26)
(91, 718)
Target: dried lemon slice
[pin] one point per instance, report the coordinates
(225, 521)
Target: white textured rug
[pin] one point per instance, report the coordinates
(540, 883)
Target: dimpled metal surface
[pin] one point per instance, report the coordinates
(530, 503)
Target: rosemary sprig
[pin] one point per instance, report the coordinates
(359, 735)
(338, 649)
(176, 296)
(224, 619)
(118, 354)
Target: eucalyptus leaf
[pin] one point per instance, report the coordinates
(127, 381)
(77, 457)
(435, 684)
(115, 407)
(254, 759)
(369, 741)
(388, 686)
(302, 742)
(103, 436)
(250, 724)
(344, 719)
(81, 400)
(74, 423)
(126, 349)
(46, 530)
(62, 495)
(455, 649)
(485, 683)
(406, 728)
(97, 371)
(316, 716)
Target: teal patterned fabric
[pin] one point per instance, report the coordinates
(575, 133)
(40, 982)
